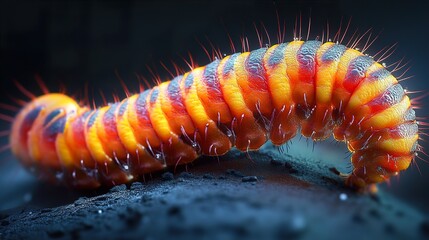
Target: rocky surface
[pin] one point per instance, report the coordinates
(273, 195)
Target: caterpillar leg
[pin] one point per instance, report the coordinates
(359, 184)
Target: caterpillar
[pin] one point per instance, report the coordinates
(242, 100)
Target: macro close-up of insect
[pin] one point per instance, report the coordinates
(221, 117)
(238, 101)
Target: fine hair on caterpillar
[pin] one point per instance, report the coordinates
(316, 87)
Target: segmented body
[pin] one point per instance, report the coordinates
(242, 100)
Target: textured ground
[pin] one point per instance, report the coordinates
(272, 196)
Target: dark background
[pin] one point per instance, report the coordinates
(84, 42)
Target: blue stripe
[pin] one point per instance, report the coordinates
(277, 55)
(51, 116)
(334, 53)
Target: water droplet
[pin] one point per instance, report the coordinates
(343, 197)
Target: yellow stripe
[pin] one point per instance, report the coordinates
(278, 81)
(157, 117)
(370, 89)
(63, 151)
(125, 131)
(390, 117)
(292, 63)
(192, 101)
(142, 133)
(343, 66)
(399, 145)
(93, 142)
(35, 140)
(325, 75)
(231, 92)
(176, 119)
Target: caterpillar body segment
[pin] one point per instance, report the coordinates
(241, 101)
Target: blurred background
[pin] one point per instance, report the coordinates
(94, 43)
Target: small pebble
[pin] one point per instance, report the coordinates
(249, 179)
(234, 173)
